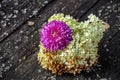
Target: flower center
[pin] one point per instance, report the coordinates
(53, 33)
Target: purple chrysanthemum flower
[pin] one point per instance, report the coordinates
(55, 35)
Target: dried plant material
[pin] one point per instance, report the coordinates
(31, 23)
(49, 61)
(106, 25)
(24, 57)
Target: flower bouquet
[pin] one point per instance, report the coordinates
(69, 46)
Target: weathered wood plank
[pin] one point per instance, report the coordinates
(7, 8)
(16, 46)
(14, 13)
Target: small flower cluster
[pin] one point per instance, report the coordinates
(80, 53)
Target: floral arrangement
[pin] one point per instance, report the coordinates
(69, 46)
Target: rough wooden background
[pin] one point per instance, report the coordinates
(19, 41)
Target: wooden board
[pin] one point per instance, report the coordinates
(19, 42)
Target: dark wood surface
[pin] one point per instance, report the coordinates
(19, 42)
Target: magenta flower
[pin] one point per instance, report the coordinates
(55, 35)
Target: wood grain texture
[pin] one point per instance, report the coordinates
(18, 49)
(14, 13)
